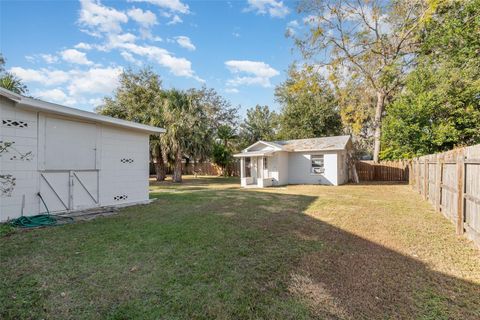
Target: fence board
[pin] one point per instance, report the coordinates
(383, 171)
(451, 182)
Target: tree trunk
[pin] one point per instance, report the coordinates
(160, 165)
(177, 170)
(378, 124)
(194, 169)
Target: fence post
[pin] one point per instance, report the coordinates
(425, 178)
(439, 182)
(418, 176)
(460, 191)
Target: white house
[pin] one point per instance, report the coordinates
(70, 158)
(302, 161)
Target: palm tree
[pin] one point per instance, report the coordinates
(179, 120)
(9, 81)
(226, 134)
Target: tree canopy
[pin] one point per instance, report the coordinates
(10, 81)
(309, 107)
(440, 106)
(369, 43)
(261, 123)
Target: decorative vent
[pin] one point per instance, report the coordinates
(120, 197)
(126, 160)
(14, 123)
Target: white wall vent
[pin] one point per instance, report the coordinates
(14, 123)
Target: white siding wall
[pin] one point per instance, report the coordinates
(279, 168)
(124, 166)
(299, 169)
(24, 171)
(121, 157)
(342, 167)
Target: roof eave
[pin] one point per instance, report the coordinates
(277, 148)
(48, 107)
(317, 150)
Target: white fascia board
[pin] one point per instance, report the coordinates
(48, 107)
(263, 142)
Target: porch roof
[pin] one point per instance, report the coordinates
(253, 153)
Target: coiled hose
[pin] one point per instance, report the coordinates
(40, 220)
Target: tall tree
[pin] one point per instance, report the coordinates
(440, 106)
(260, 124)
(10, 81)
(226, 134)
(372, 41)
(214, 113)
(308, 104)
(181, 116)
(139, 97)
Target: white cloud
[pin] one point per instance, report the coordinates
(130, 58)
(98, 18)
(274, 8)
(72, 87)
(75, 56)
(94, 80)
(146, 18)
(56, 95)
(176, 19)
(185, 42)
(178, 66)
(95, 101)
(117, 40)
(44, 76)
(250, 73)
(83, 45)
(49, 58)
(232, 90)
(292, 27)
(172, 5)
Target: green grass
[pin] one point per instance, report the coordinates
(206, 249)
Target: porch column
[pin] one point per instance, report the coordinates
(261, 168)
(242, 167)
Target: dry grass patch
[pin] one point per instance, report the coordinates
(207, 249)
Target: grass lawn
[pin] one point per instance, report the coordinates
(206, 249)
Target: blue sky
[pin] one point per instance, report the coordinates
(71, 52)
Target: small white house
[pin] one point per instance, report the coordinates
(302, 161)
(70, 158)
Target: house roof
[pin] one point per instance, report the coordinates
(39, 105)
(298, 145)
(315, 144)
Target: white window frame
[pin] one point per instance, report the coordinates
(317, 168)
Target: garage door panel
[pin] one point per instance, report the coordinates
(70, 145)
(85, 189)
(54, 189)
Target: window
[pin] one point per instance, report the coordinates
(265, 163)
(317, 164)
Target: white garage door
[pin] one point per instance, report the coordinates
(69, 190)
(70, 145)
(70, 179)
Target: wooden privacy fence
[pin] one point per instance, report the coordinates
(382, 171)
(450, 181)
(204, 169)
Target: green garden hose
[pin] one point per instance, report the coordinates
(40, 220)
(34, 221)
